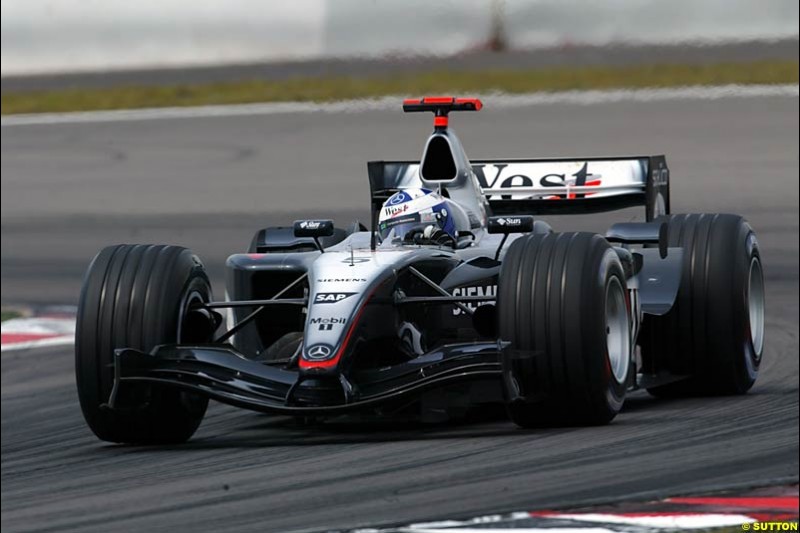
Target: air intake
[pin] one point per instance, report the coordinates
(438, 163)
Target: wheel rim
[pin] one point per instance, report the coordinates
(618, 340)
(660, 208)
(190, 302)
(755, 304)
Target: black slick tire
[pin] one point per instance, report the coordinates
(714, 332)
(554, 295)
(138, 296)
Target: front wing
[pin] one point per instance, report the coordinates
(223, 374)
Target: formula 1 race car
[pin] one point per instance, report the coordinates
(455, 297)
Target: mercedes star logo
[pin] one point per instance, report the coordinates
(397, 198)
(318, 351)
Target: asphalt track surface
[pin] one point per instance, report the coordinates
(209, 183)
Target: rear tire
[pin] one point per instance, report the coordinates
(563, 304)
(715, 330)
(139, 296)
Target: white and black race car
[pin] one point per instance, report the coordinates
(456, 296)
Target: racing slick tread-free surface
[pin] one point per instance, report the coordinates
(551, 305)
(131, 297)
(706, 334)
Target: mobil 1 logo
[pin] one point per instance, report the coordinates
(327, 323)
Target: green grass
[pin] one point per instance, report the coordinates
(326, 89)
(7, 314)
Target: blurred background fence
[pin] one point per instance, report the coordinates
(62, 36)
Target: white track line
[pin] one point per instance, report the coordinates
(62, 340)
(512, 530)
(392, 103)
(676, 521)
(39, 325)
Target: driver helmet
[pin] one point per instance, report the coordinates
(423, 212)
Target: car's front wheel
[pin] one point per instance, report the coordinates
(139, 296)
(563, 304)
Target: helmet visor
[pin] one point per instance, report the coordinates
(400, 227)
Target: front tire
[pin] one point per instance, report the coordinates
(563, 304)
(714, 332)
(139, 296)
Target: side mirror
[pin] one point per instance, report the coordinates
(313, 228)
(511, 224)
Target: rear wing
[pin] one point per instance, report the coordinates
(549, 186)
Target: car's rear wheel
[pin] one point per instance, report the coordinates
(714, 332)
(139, 296)
(563, 304)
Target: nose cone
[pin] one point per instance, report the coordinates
(340, 285)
